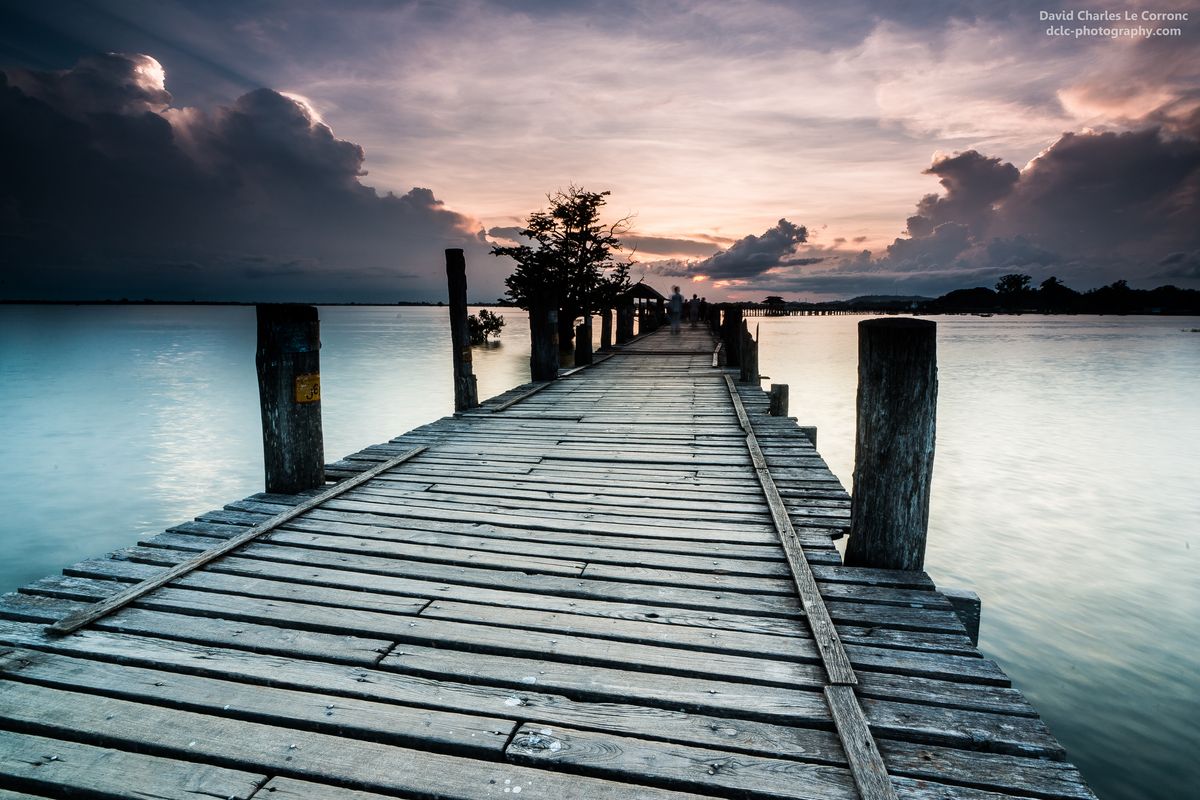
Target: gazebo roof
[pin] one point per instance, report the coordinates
(644, 291)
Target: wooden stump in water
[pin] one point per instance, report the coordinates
(466, 392)
(288, 360)
(893, 451)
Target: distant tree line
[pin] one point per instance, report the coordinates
(1014, 293)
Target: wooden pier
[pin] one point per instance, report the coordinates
(620, 584)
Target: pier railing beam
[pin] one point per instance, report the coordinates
(606, 328)
(288, 360)
(893, 450)
(466, 391)
(543, 342)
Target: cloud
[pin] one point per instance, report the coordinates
(1093, 207)
(1180, 266)
(666, 245)
(973, 184)
(1136, 193)
(748, 257)
(106, 183)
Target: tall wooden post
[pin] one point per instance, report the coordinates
(660, 314)
(583, 342)
(606, 328)
(543, 342)
(893, 450)
(289, 389)
(731, 334)
(748, 355)
(641, 316)
(466, 391)
(624, 320)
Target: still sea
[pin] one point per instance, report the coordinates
(1066, 483)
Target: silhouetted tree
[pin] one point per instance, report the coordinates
(1013, 290)
(485, 325)
(570, 263)
(1054, 295)
(1012, 283)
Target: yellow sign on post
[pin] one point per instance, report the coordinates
(308, 388)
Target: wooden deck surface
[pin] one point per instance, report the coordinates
(580, 594)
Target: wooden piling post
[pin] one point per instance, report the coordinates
(583, 342)
(779, 400)
(288, 360)
(748, 356)
(731, 334)
(624, 320)
(543, 342)
(606, 328)
(893, 451)
(466, 391)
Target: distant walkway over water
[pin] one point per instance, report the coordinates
(619, 584)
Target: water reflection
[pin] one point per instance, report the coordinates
(122, 421)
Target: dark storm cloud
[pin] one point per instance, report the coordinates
(746, 258)
(973, 184)
(1093, 206)
(1136, 193)
(104, 184)
(1091, 209)
(1180, 266)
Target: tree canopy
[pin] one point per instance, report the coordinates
(571, 259)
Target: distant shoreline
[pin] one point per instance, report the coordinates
(839, 305)
(406, 303)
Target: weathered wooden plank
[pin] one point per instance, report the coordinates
(111, 604)
(971, 670)
(293, 753)
(467, 734)
(909, 712)
(290, 789)
(205, 630)
(449, 547)
(708, 771)
(836, 662)
(691, 769)
(866, 765)
(727, 732)
(302, 575)
(680, 597)
(55, 765)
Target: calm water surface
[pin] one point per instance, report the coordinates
(1064, 484)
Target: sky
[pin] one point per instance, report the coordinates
(330, 152)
